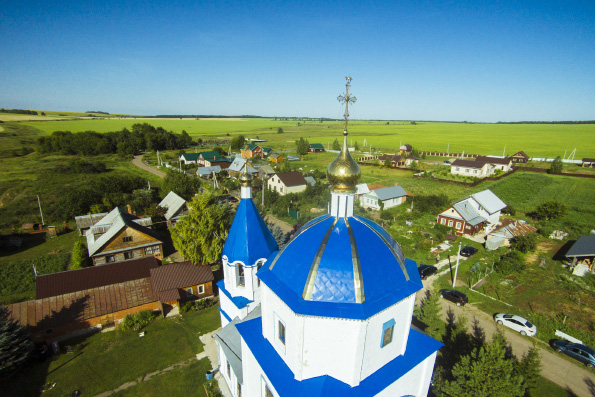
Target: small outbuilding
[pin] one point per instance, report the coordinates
(389, 197)
(583, 251)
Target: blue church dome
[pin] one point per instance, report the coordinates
(347, 267)
(249, 238)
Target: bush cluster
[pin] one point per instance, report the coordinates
(137, 321)
(197, 305)
(511, 262)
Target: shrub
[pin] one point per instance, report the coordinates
(137, 321)
(197, 305)
(525, 243)
(550, 210)
(509, 210)
(511, 262)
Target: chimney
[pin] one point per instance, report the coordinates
(129, 209)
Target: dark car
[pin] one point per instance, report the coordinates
(579, 352)
(454, 296)
(426, 271)
(446, 161)
(468, 251)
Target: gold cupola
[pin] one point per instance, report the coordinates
(343, 174)
(245, 177)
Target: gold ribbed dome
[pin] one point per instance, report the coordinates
(245, 177)
(343, 173)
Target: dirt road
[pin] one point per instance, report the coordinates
(575, 378)
(138, 161)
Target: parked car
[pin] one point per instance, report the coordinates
(446, 161)
(426, 271)
(468, 251)
(517, 323)
(454, 296)
(579, 352)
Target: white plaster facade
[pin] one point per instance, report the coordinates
(275, 183)
(486, 169)
(371, 200)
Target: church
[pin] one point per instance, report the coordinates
(327, 315)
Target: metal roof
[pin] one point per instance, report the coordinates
(489, 201)
(310, 180)
(86, 221)
(317, 146)
(494, 160)
(249, 238)
(179, 275)
(468, 163)
(238, 165)
(584, 246)
(203, 171)
(391, 192)
(468, 212)
(61, 283)
(292, 178)
(173, 203)
(190, 156)
(362, 188)
(210, 155)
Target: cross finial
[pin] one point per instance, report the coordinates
(346, 99)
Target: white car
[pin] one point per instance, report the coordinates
(517, 323)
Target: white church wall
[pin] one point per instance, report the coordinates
(410, 384)
(375, 355)
(231, 309)
(255, 380)
(227, 373)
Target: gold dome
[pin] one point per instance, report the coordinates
(245, 177)
(343, 173)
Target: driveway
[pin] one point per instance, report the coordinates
(572, 376)
(138, 161)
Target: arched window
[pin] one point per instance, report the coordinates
(240, 275)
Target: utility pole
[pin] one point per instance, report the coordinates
(40, 212)
(457, 267)
(448, 149)
(504, 153)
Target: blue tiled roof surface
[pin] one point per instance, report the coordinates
(419, 347)
(387, 277)
(249, 238)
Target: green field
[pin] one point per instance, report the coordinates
(537, 140)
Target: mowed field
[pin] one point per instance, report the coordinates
(537, 140)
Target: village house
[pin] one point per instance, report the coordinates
(121, 236)
(410, 160)
(175, 208)
(181, 282)
(582, 252)
(287, 182)
(520, 157)
(395, 160)
(509, 229)
(84, 222)
(265, 172)
(189, 158)
(360, 190)
(207, 172)
(211, 158)
(389, 197)
(251, 150)
(405, 149)
(473, 214)
(503, 164)
(237, 167)
(478, 169)
(275, 157)
(316, 148)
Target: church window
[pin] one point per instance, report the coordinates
(387, 332)
(240, 274)
(228, 370)
(281, 331)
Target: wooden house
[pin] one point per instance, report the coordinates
(389, 197)
(175, 208)
(316, 148)
(121, 236)
(473, 214)
(251, 150)
(84, 222)
(237, 167)
(178, 283)
(207, 159)
(275, 158)
(520, 157)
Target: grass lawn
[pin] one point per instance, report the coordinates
(186, 381)
(104, 361)
(547, 388)
(41, 244)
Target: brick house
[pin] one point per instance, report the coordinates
(121, 236)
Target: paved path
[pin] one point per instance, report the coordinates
(574, 377)
(138, 161)
(211, 350)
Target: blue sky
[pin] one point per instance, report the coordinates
(423, 60)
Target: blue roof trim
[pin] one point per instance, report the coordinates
(249, 238)
(239, 301)
(419, 347)
(225, 315)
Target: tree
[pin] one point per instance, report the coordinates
(556, 166)
(387, 162)
(336, 145)
(429, 314)
(200, 236)
(80, 256)
(237, 142)
(15, 345)
(486, 372)
(356, 146)
(524, 243)
(280, 130)
(302, 146)
(511, 262)
(181, 184)
(530, 368)
(550, 210)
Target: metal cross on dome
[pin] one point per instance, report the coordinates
(347, 99)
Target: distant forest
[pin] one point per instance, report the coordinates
(547, 122)
(19, 111)
(142, 137)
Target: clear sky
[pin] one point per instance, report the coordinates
(424, 60)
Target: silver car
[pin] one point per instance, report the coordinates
(517, 323)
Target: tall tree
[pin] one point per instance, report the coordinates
(530, 368)
(356, 146)
(237, 142)
(179, 183)
(336, 145)
(200, 235)
(486, 372)
(429, 314)
(556, 166)
(15, 345)
(302, 146)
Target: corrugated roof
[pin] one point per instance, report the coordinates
(584, 246)
(238, 166)
(208, 170)
(86, 221)
(494, 160)
(267, 169)
(292, 178)
(169, 295)
(468, 212)
(190, 156)
(512, 228)
(210, 155)
(55, 284)
(173, 203)
(391, 192)
(179, 275)
(76, 307)
(489, 201)
(361, 188)
(468, 163)
(310, 180)
(317, 146)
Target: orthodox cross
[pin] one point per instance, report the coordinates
(347, 99)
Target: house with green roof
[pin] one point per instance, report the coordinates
(316, 148)
(189, 158)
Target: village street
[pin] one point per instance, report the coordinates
(574, 377)
(138, 161)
